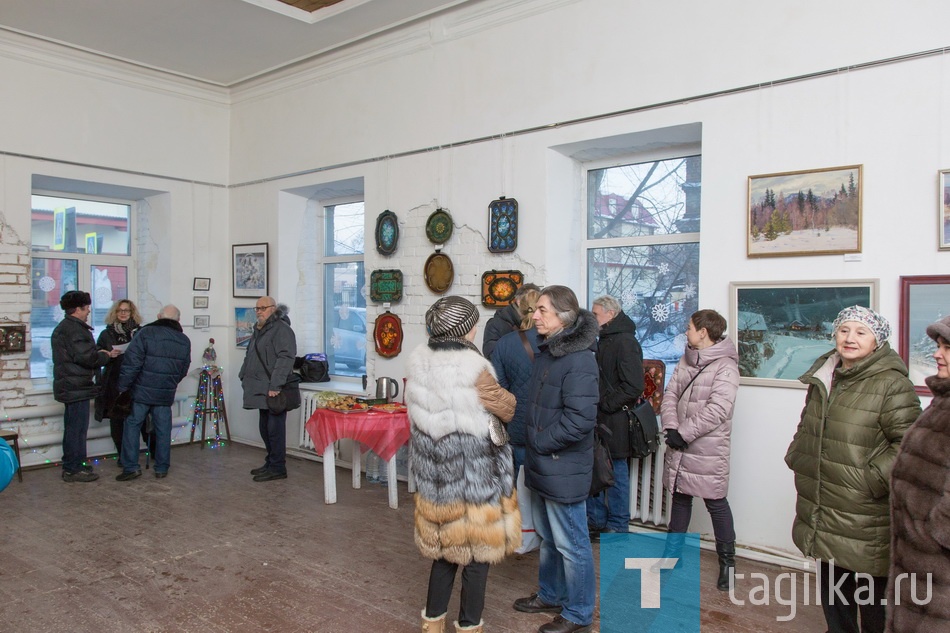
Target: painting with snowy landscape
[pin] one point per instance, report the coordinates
(816, 212)
(780, 329)
(925, 299)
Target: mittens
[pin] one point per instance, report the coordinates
(675, 440)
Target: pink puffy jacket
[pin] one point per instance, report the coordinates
(703, 416)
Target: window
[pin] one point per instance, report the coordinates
(643, 247)
(77, 245)
(344, 315)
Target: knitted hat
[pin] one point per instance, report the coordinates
(74, 299)
(451, 317)
(874, 321)
(941, 328)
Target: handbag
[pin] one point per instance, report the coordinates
(497, 431)
(602, 476)
(312, 370)
(644, 429)
(288, 398)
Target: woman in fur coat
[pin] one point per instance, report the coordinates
(466, 503)
(920, 510)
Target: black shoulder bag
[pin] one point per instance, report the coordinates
(644, 430)
(288, 398)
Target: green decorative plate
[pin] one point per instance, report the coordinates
(385, 286)
(439, 226)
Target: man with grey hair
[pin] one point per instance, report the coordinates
(155, 362)
(507, 319)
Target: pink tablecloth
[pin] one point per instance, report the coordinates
(382, 432)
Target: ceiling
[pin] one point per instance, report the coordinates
(220, 42)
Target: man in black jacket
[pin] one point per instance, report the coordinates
(75, 361)
(155, 362)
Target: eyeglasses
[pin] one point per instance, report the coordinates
(262, 308)
(123, 311)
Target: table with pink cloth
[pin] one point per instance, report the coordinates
(384, 433)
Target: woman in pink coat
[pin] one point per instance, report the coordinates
(697, 417)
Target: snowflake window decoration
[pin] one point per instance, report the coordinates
(660, 312)
(664, 268)
(689, 291)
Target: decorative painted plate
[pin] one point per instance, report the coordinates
(387, 233)
(503, 225)
(499, 287)
(385, 286)
(439, 226)
(388, 335)
(654, 375)
(439, 273)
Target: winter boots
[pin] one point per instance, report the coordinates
(433, 625)
(474, 628)
(727, 564)
(672, 552)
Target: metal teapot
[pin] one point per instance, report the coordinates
(387, 388)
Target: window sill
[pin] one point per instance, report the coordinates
(339, 386)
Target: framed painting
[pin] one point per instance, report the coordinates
(249, 262)
(924, 300)
(943, 211)
(202, 321)
(244, 321)
(811, 212)
(199, 302)
(781, 328)
(201, 283)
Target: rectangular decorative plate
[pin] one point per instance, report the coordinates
(385, 286)
(503, 225)
(499, 287)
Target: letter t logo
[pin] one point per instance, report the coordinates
(649, 579)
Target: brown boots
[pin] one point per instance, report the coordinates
(437, 625)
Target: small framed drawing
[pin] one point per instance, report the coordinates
(249, 262)
(812, 212)
(943, 212)
(244, 321)
(202, 321)
(200, 302)
(781, 328)
(202, 283)
(924, 300)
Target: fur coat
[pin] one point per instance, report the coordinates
(920, 520)
(466, 501)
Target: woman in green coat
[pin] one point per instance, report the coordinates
(859, 404)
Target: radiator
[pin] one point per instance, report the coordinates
(308, 405)
(649, 502)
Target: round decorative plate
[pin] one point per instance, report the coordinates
(439, 273)
(439, 226)
(387, 334)
(387, 233)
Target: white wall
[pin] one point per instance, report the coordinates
(490, 70)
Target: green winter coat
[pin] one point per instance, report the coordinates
(842, 455)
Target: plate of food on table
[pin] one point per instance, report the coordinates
(345, 404)
(391, 407)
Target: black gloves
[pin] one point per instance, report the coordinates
(675, 440)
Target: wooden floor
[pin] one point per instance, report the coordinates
(208, 550)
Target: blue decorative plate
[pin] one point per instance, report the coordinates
(503, 225)
(387, 233)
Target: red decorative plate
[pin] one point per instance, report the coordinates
(499, 287)
(388, 335)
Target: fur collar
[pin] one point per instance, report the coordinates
(578, 337)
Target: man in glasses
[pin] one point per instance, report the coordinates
(268, 364)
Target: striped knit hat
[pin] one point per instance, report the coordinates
(874, 321)
(451, 317)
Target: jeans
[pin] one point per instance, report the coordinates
(615, 514)
(75, 427)
(841, 608)
(719, 511)
(472, 601)
(162, 425)
(517, 455)
(566, 572)
(273, 427)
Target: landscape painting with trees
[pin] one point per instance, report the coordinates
(815, 212)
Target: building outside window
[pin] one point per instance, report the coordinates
(77, 244)
(643, 247)
(345, 330)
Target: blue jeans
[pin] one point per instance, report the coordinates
(615, 514)
(273, 428)
(162, 427)
(75, 427)
(566, 572)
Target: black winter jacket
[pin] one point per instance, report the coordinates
(109, 376)
(513, 367)
(620, 361)
(155, 362)
(562, 413)
(75, 361)
(506, 320)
